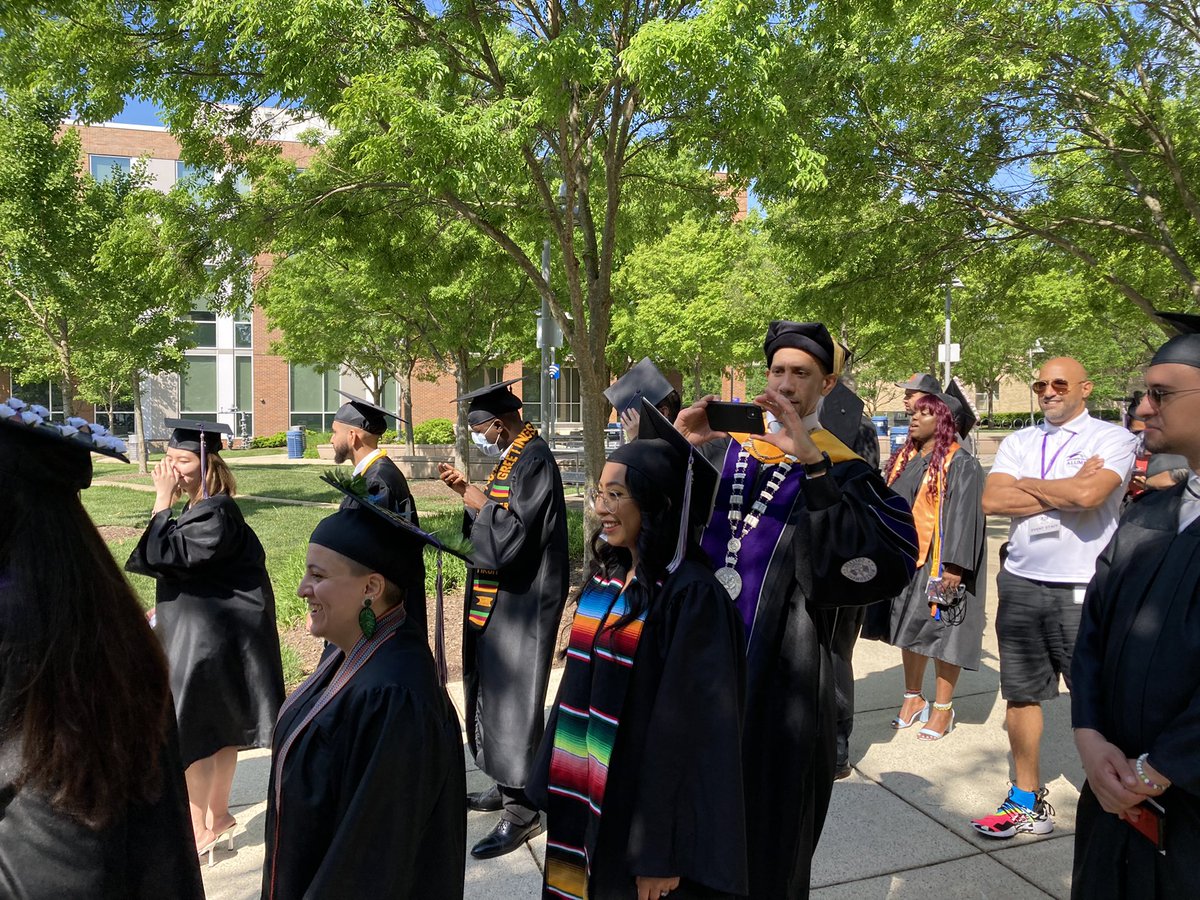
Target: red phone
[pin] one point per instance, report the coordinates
(1151, 824)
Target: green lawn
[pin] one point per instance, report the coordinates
(283, 529)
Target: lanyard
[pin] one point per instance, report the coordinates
(1047, 468)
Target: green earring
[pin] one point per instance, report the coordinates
(366, 619)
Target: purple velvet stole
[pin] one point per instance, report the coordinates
(758, 547)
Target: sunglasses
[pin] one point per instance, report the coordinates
(1156, 396)
(1060, 386)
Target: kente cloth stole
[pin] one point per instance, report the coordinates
(486, 582)
(927, 514)
(596, 680)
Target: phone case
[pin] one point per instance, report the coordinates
(1151, 824)
(739, 418)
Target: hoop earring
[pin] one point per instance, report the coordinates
(366, 618)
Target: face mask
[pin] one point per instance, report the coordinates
(486, 447)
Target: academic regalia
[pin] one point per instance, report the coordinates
(506, 663)
(1135, 681)
(668, 806)
(145, 854)
(367, 781)
(843, 539)
(964, 543)
(215, 615)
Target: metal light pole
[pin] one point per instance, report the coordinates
(951, 284)
(549, 338)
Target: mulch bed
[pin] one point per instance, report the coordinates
(114, 533)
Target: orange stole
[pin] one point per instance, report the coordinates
(927, 515)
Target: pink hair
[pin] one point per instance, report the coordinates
(944, 435)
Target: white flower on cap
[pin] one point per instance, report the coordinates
(14, 404)
(67, 430)
(40, 410)
(76, 421)
(30, 418)
(6, 411)
(98, 430)
(108, 442)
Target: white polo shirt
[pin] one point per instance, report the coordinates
(1060, 545)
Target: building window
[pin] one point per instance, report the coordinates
(485, 376)
(204, 329)
(121, 422)
(47, 393)
(569, 408)
(314, 398)
(243, 331)
(198, 389)
(243, 371)
(193, 174)
(531, 389)
(103, 167)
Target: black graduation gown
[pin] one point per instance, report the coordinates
(148, 853)
(910, 627)
(506, 665)
(369, 799)
(837, 521)
(1134, 679)
(671, 806)
(388, 488)
(215, 616)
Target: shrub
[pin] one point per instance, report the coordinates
(269, 441)
(434, 431)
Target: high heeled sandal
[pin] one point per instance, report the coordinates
(928, 734)
(211, 846)
(922, 713)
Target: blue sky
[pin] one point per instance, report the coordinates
(139, 112)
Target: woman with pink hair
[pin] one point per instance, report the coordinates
(940, 615)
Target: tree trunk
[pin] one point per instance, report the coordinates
(697, 387)
(462, 373)
(139, 426)
(406, 409)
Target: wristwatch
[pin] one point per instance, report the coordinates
(818, 468)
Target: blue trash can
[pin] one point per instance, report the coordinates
(881, 425)
(899, 436)
(295, 443)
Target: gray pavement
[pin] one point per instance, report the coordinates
(897, 828)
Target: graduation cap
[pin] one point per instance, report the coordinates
(1184, 348)
(388, 543)
(51, 455)
(964, 416)
(364, 414)
(201, 438)
(841, 413)
(666, 458)
(811, 337)
(490, 402)
(922, 382)
(642, 380)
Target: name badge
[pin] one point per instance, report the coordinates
(1044, 526)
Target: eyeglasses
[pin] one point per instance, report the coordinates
(1157, 395)
(1060, 386)
(612, 500)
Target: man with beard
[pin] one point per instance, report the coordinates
(357, 427)
(801, 526)
(1135, 694)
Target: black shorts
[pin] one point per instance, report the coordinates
(1036, 624)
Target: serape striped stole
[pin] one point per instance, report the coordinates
(486, 582)
(596, 680)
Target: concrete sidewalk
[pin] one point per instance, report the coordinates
(897, 828)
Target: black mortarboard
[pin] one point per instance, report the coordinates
(186, 434)
(363, 414)
(922, 382)
(841, 413)
(52, 456)
(951, 403)
(1184, 348)
(811, 337)
(643, 380)
(668, 462)
(490, 402)
(964, 416)
(386, 542)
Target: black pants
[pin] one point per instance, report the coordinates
(517, 807)
(847, 622)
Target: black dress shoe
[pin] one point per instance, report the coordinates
(486, 801)
(842, 772)
(506, 837)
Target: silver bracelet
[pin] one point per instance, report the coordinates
(1141, 773)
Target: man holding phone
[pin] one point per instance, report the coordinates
(801, 526)
(1135, 692)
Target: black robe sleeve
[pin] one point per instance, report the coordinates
(1087, 658)
(864, 545)
(500, 535)
(965, 523)
(206, 534)
(689, 814)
